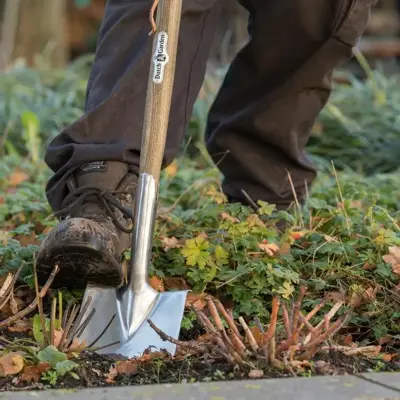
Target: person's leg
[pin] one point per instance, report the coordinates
(98, 155)
(260, 122)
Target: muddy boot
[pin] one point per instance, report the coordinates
(96, 222)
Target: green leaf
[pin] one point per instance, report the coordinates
(51, 355)
(195, 252)
(74, 375)
(62, 367)
(286, 290)
(30, 121)
(221, 256)
(265, 208)
(37, 329)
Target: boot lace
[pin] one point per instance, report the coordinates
(74, 201)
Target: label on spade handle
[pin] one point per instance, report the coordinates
(160, 57)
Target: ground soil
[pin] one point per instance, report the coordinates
(93, 369)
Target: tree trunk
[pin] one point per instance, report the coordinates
(42, 31)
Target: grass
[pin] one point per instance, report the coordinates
(342, 244)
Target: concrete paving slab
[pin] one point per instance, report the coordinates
(391, 379)
(317, 388)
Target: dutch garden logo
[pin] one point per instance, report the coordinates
(160, 58)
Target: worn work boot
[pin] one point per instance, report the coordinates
(96, 221)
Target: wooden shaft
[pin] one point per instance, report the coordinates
(159, 89)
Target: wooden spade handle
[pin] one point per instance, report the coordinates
(159, 89)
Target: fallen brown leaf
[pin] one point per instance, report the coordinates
(13, 304)
(77, 345)
(174, 282)
(5, 282)
(256, 374)
(112, 374)
(393, 258)
(202, 235)
(11, 364)
(385, 339)
(368, 351)
(17, 177)
(300, 364)
(171, 169)
(149, 356)
(57, 336)
(270, 248)
(171, 243)
(297, 235)
(197, 300)
(21, 326)
(388, 357)
(258, 335)
(156, 283)
(368, 267)
(26, 240)
(335, 296)
(348, 340)
(228, 217)
(128, 367)
(33, 372)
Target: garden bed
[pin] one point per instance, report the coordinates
(331, 277)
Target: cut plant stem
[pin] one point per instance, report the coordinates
(296, 199)
(85, 323)
(60, 308)
(66, 313)
(53, 319)
(49, 281)
(296, 308)
(209, 327)
(214, 314)
(330, 315)
(191, 344)
(305, 322)
(237, 344)
(249, 336)
(74, 313)
(30, 307)
(271, 350)
(272, 323)
(231, 348)
(8, 286)
(342, 199)
(204, 320)
(312, 347)
(76, 324)
(103, 331)
(46, 338)
(228, 318)
(315, 310)
(286, 321)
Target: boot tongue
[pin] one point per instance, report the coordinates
(101, 174)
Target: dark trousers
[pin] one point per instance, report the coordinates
(260, 122)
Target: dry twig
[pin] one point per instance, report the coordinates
(21, 314)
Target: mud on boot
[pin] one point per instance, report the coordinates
(96, 221)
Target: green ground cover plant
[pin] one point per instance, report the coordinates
(343, 244)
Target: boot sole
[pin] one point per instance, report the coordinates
(78, 267)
